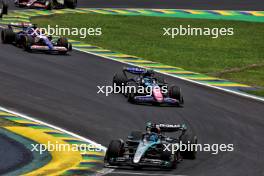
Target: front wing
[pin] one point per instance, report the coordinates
(151, 99)
(46, 48)
(144, 162)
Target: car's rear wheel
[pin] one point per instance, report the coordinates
(113, 151)
(120, 79)
(189, 139)
(63, 42)
(170, 158)
(27, 41)
(8, 36)
(175, 92)
(132, 91)
(72, 4)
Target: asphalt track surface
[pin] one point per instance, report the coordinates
(62, 90)
(175, 4)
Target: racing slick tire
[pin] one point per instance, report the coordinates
(189, 139)
(169, 157)
(131, 95)
(175, 92)
(27, 42)
(72, 4)
(114, 150)
(8, 36)
(4, 8)
(64, 43)
(119, 79)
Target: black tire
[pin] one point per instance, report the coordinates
(72, 4)
(169, 157)
(27, 42)
(114, 150)
(165, 154)
(120, 79)
(189, 139)
(175, 92)
(69, 47)
(64, 43)
(8, 36)
(131, 95)
(4, 7)
(137, 135)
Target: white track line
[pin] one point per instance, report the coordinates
(53, 126)
(104, 171)
(185, 79)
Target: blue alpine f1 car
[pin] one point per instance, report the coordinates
(143, 86)
(150, 148)
(31, 38)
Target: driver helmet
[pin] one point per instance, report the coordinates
(152, 128)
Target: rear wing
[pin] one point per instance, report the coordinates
(134, 70)
(21, 25)
(172, 127)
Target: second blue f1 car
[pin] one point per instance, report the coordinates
(32, 38)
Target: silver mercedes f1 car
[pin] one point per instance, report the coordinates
(148, 149)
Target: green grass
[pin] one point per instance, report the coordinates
(143, 37)
(257, 92)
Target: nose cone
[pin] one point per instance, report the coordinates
(157, 94)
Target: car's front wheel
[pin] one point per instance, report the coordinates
(8, 36)
(114, 150)
(169, 157)
(189, 139)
